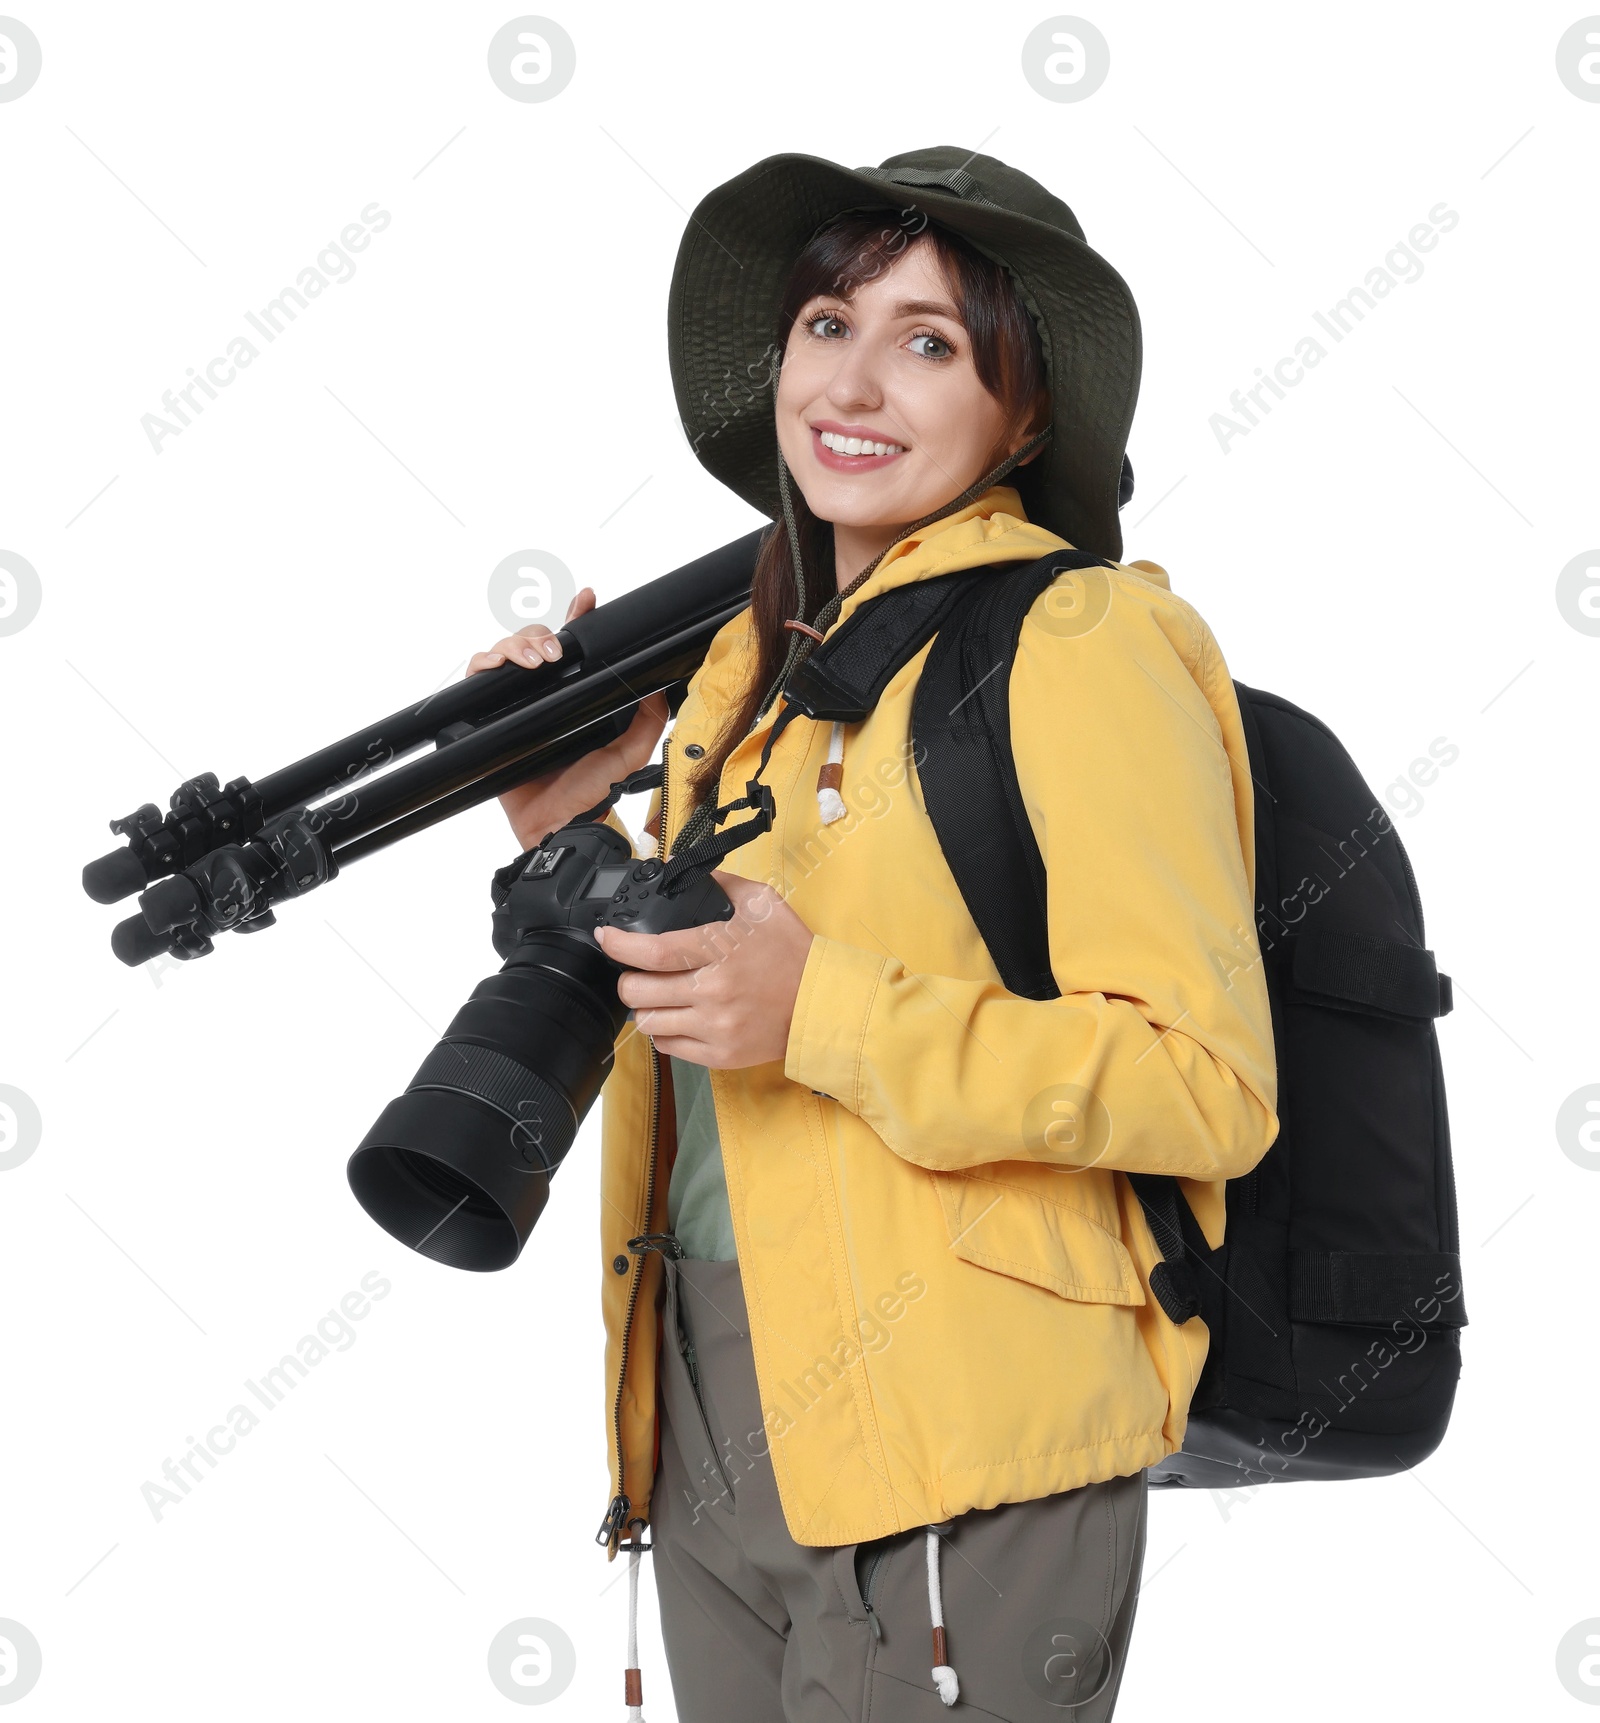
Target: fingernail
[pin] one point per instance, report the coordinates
(531, 652)
(551, 647)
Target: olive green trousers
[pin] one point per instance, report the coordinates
(1037, 1598)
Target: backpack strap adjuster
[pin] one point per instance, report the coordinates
(1172, 1280)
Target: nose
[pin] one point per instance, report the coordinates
(855, 384)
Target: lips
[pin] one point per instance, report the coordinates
(864, 437)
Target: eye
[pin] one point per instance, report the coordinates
(826, 325)
(936, 346)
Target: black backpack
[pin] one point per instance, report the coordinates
(1334, 1304)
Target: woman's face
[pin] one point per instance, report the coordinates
(881, 415)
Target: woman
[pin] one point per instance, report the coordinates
(871, 1201)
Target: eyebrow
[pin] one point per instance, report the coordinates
(913, 307)
(926, 308)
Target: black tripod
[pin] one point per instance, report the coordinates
(222, 856)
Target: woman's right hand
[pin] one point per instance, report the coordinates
(548, 802)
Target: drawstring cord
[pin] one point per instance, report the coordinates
(633, 1677)
(830, 780)
(944, 1677)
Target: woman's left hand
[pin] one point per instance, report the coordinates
(720, 995)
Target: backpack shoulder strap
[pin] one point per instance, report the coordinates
(961, 733)
(842, 680)
(961, 730)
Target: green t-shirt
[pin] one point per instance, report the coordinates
(697, 1194)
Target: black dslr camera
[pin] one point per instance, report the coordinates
(459, 1166)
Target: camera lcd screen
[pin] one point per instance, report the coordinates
(606, 880)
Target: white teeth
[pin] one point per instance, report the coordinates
(857, 445)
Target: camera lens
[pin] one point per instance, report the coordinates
(459, 1166)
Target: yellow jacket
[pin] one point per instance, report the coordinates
(947, 1280)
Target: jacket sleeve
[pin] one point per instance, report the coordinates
(1158, 1055)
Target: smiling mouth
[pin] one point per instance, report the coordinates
(853, 453)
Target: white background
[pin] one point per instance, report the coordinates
(314, 552)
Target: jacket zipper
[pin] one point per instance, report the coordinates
(611, 1527)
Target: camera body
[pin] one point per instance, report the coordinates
(459, 1166)
(585, 876)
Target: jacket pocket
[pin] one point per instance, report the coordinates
(1015, 1230)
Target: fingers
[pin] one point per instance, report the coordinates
(533, 645)
(682, 950)
(667, 1026)
(536, 644)
(685, 1047)
(648, 990)
(715, 1028)
(657, 1022)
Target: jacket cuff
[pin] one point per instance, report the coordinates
(831, 1013)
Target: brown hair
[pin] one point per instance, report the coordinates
(1009, 360)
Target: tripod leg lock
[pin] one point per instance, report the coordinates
(237, 885)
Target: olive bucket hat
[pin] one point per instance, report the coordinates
(724, 343)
